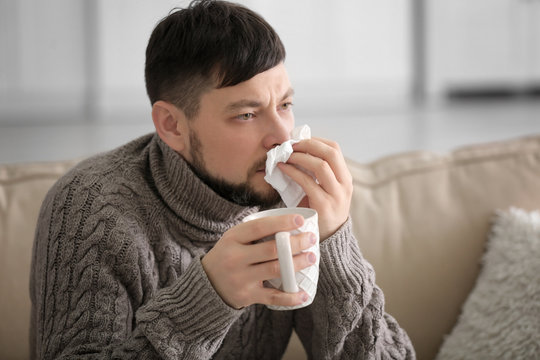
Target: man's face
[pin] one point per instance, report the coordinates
(234, 129)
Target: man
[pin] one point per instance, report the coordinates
(141, 253)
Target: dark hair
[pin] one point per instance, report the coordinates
(210, 44)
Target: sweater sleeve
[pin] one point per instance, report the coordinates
(95, 294)
(347, 319)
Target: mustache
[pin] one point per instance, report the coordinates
(258, 165)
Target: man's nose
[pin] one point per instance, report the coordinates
(277, 133)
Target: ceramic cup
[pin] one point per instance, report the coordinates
(291, 281)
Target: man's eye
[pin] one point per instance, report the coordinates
(286, 106)
(246, 116)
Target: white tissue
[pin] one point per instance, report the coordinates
(290, 191)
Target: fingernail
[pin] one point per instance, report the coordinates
(311, 258)
(304, 297)
(312, 239)
(299, 220)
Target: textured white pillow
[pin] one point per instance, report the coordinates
(501, 317)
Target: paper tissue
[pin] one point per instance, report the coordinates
(290, 191)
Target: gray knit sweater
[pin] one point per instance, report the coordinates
(116, 273)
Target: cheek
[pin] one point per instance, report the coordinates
(288, 119)
(231, 159)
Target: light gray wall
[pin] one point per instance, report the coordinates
(63, 56)
(483, 43)
(42, 64)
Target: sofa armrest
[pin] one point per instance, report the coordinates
(22, 189)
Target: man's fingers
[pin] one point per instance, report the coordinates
(260, 228)
(271, 270)
(316, 193)
(303, 260)
(267, 251)
(302, 242)
(327, 150)
(322, 170)
(269, 296)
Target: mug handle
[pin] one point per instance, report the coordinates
(288, 277)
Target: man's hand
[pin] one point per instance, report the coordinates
(237, 267)
(331, 196)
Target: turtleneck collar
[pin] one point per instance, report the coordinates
(196, 204)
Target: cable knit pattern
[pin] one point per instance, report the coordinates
(116, 273)
(347, 291)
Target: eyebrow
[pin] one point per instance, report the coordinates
(244, 103)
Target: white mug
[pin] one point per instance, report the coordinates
(291, 281)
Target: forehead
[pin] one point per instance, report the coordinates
(265, 87)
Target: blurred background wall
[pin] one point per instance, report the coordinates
(378, 76)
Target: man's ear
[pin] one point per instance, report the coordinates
(171, 124)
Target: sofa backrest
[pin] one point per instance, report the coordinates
(422, 220)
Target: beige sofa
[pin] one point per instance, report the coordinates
(421, 219)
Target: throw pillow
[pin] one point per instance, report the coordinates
(501, 317)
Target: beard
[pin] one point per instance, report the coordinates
(243, 193)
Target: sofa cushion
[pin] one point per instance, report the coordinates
(501, 315)
(22, 189)
(422, 220)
